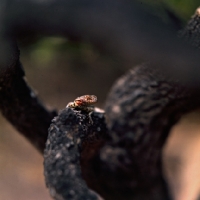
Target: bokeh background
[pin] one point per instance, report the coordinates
(59, 71)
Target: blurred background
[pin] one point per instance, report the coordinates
(59, 71)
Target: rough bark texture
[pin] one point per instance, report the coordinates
(191, 32)
(123, 160)
(140, 110)
(68, 134)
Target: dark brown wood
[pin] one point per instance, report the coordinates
(20, 105)
(127, 30)
(143, 105)
(191, 33)
(70, 133)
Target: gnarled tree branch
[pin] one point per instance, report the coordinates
(67, 135)
(124, 28)
(20, 105)
(141, 108)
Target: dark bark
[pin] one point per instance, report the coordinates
(125, 29)
(191, 33)
(20, 105)
(70, 133)
(140, 111)
(124, 160)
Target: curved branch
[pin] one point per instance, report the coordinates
(106, 24)
(70, 133)
(124, 28)
(141, 109)
(19, 104)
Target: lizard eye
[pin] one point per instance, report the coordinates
(78, 102)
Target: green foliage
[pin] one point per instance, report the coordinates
(46, 51)
(183, 8)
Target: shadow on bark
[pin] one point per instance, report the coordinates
(119, 155)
